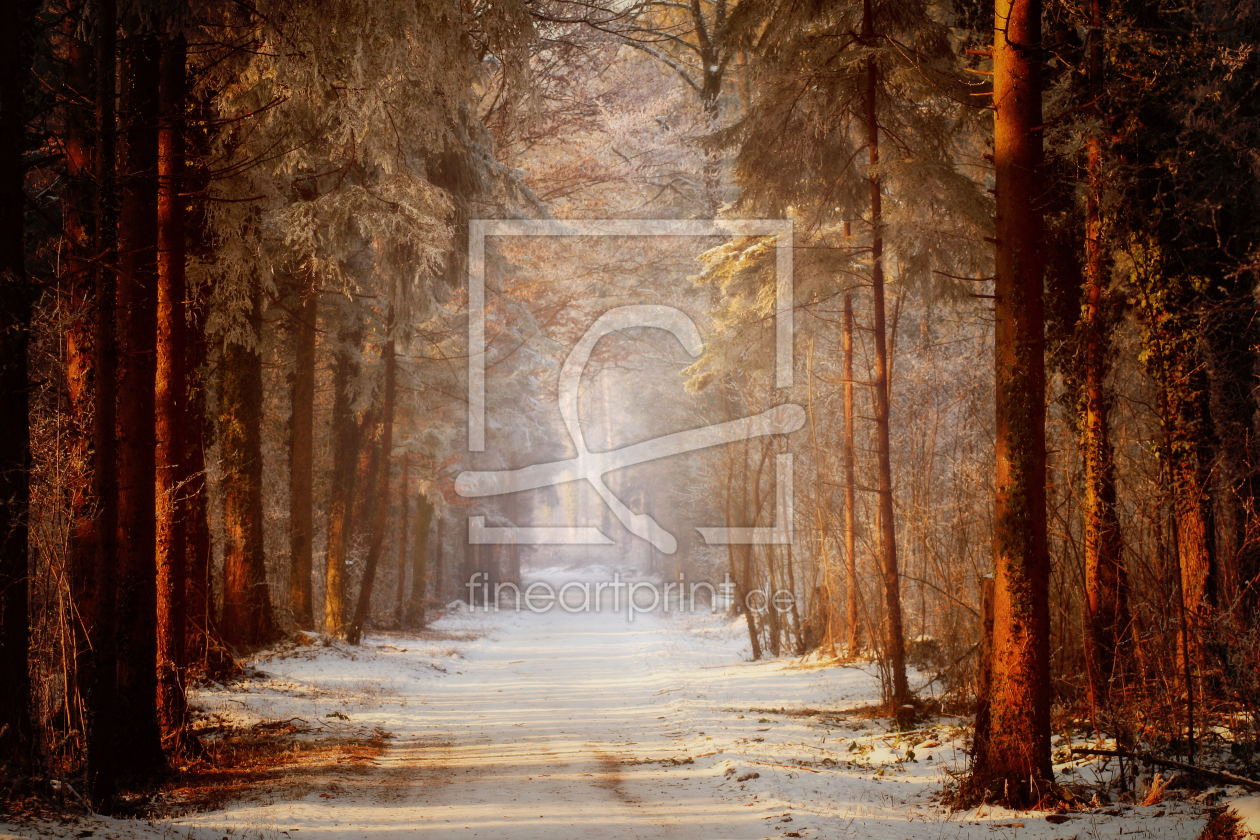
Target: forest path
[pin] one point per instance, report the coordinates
(553, 725)
(517, 725)
(555, 729)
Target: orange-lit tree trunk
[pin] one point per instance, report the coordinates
(137, 320)
(345, 433)
(1012, 751)
(404, 495)
(17, 36)
(247, 618)
(77, 231)
(302, 455)
(1196, 545)
(894, 635)
(170, 397)
(853, 630)
(98, 673)
(80, 337)
(380, 492)
(1105, 578)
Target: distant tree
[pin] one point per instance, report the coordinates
(415, 613)
(345, 436)
(380, 489)
(247, 619)
(301, 452)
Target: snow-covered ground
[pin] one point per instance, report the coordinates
(517, 724)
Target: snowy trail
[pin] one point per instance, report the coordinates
(546, 730)
(542, 725)
(520, 725)
(563, 726)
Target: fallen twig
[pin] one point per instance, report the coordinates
(788, 766)
(1219, 775)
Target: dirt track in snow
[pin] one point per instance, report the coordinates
(551, 728)
(567, 726)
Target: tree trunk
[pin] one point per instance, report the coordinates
(170, 397)
(420, 562)
(439, 577)
(77, 212)
(1105, 577)
(98, 673)
(16, 48)
(1012, 756)
(345, 434)
(1230, 343)
(1189, 457)
(247, 618)
(137, 318)
(200, 629)
(302, 456)
(380, 493)
(512, 550)
(741, 570)
(712, 68)
(80, 302)
(984, 659)
(404, 495)
(895, 643)
(853, 629)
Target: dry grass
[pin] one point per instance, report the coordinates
(1156, 790)
(270, 761)
(1224, 824)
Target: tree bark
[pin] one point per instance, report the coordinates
(80, 338)
(80, 302)
(365, 473)
(302, 456)
(420, 562)
(439, 577)
(380, 493)
(1012, 756)
(247, 618)
(894, 643)
(137, 318)
(712, 68)
(739, 557)
(345, 434)
(170, 396)
(404, 494)
(98, 672)
(853, 629)
(200, 629)
(1188, 428)
(16, 296)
